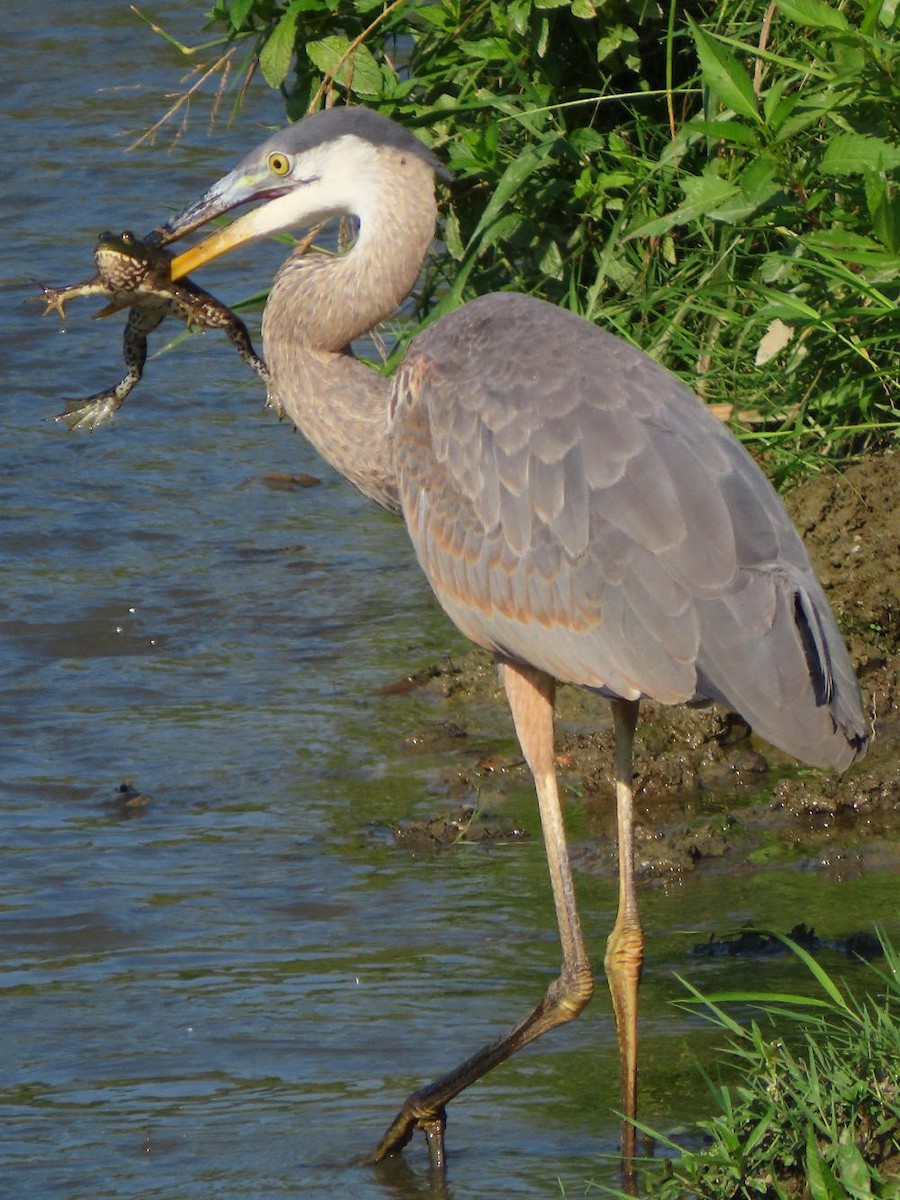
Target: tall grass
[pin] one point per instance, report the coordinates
(717, 182)
(815, 1111)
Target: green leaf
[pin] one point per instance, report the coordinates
(758, 185)
(790, 308)
(819, 1176)
(886, 220)
(854, 153)
(518, 13)
(852, 1169)
(452, 238)
(615, 38)
(724, 75)
(490, 49)
(773, 102)
(768, 999)
(493, 218)
(826, 983)
(275, 56)
(238, 11)
(703, 195)
(551, 261)
(815, 14)
(543, 38)
(847, 246)
(737, 133)
(585, 140)
(357, 70)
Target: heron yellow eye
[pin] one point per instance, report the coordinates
(278, 164)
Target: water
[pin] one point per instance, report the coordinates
(229, 993)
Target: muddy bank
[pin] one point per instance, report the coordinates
(707, 791)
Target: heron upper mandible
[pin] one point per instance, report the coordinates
(577, 510)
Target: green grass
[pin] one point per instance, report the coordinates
(814, 1108)
(718, 183)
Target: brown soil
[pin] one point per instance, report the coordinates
(465, 824)
(706, 789)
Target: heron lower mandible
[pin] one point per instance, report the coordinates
(577, 510)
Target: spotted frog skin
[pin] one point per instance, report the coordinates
(137, 274)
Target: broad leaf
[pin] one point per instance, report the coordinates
(819, 1176)
(703, 195)
(851, 1166)
(275, 56)
(355, 69)
(886, 220)
(854, 153)
(724, 75)
(814, 13)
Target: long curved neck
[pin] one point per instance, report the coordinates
(319, 304)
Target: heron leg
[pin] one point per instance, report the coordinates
(625, 946)
(531, 695)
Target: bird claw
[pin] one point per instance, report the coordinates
(399, 1134)
(434, 1136)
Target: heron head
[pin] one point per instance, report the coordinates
(331, 163)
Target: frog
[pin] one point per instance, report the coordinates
(136, 273)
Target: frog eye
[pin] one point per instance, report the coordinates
(278, 163)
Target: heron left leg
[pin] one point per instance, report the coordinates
(530, 693)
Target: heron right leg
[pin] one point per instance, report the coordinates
(531, 694)
(625, 946)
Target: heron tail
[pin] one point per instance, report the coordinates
(774, 653)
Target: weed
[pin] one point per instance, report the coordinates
(815, 1111)
(717, 183)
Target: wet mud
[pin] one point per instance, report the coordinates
(708, 793)
(464, 824)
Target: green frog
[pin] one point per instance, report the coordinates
(136, 274)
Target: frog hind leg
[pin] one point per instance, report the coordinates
(100, 408)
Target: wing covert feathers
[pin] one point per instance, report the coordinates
(576, 507)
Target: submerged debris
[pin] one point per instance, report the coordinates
(127, 800)
(753, 943)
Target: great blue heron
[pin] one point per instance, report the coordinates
(577, 510)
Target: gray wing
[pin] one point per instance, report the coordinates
(574, 506)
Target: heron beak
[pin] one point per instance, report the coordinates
(244, 229)
(242, 186)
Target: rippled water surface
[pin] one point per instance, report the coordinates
(229, 993)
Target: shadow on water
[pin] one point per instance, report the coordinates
(222, 976)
